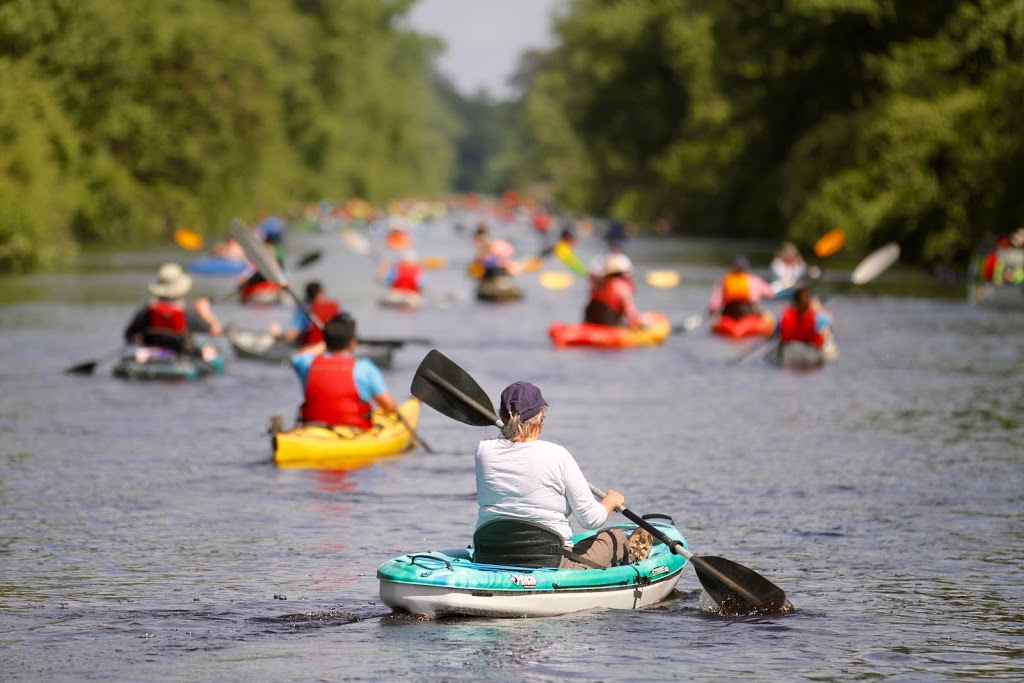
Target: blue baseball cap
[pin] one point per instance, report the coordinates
(521, 398)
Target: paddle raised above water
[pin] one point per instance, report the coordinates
(450, 390)
(269, 268)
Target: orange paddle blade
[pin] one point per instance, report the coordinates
(831, 242)
(188, 239)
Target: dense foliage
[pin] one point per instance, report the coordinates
(894, 119)
(121, 121)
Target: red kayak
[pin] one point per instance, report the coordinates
(656, 328)
(744, 326)
(264, 292)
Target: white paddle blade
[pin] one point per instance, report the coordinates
(356, 242)
(258, 254)
(875, 263)
(662, 279)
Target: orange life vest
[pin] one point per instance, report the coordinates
(799, 327)
(735, 287)
(331, 394)
(323, 310)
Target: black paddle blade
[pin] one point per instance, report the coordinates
(82, 368)
(738, 589)
(448, 389)
(309, 259)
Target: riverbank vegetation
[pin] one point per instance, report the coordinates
(893, 119)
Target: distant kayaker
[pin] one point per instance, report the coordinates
(611, 294)
(302, 330)
(788, 265)
(738, 293)
(804, 321)
(339, 389)
(520, 477)
(404, 275)
(168, 322)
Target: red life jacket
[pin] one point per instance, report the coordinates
(167, 317)
(606, 294)
(797, 327)
(167, 325)
(407, 277)
(331, 394)
(323, 310)
(735, 287)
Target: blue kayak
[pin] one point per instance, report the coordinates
(435, 584)
(217, 265)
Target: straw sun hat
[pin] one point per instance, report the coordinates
(172, 282)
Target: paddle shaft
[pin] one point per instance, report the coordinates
(679, 549)
(272, 271)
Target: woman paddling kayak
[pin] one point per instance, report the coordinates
(527, 488)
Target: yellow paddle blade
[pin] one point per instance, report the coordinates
(831, 242)
(553, 279)
(475, 270)
(567, 256)
(662, 279)
(434, 262)
(188, 239)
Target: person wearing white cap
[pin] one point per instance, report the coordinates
(527, 488)
(611, 294)
(167, 321)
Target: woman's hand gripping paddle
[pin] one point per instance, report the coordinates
(269, 268)
(450, 390)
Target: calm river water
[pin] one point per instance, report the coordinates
(147, 536)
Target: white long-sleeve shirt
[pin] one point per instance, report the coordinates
(537, 481)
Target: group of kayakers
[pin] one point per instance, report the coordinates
(519, 476)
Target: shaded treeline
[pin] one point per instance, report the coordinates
(120, 121)
(894, 119)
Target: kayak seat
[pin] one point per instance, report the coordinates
(518, 543)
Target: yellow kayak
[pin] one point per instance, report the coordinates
(344, 448)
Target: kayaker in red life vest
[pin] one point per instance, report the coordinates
(168, 322)
(338, 388)
(611, 295)
(405, 274)
(738, 293)
(522, 478)
(302, 330)
(804, 321)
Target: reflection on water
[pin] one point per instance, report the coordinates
(147, 536)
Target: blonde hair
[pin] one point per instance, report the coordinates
(516, 429)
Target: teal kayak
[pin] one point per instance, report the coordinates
(448, 583)
(158, 364)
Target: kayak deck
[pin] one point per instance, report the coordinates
(343, 448)
(154, 363)
(448, 583)
(656, 329)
